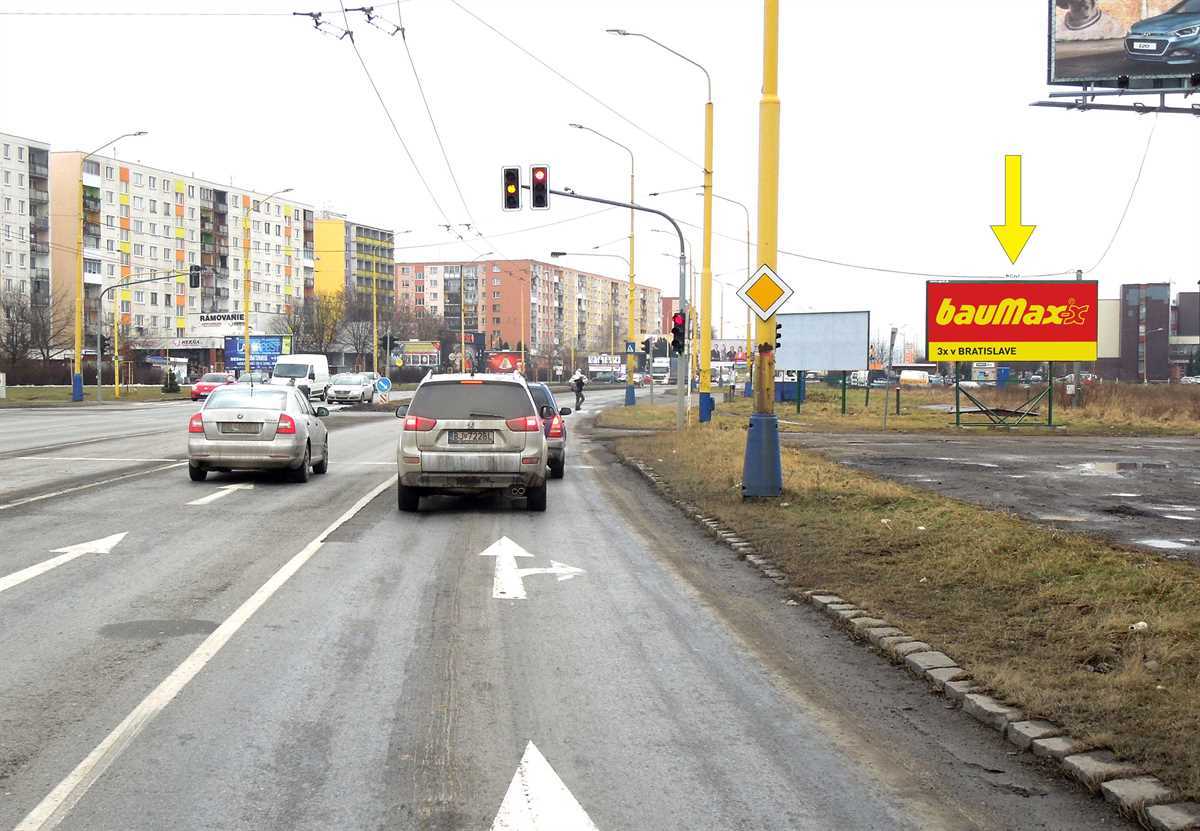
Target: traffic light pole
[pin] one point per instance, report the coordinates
(681, 377)
(116, 318)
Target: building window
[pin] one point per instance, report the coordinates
(91, 168)
(20, 154)
(191, 190)
(139, 297)
(7, 150)
(137, 179)
(91, 266)
(153, 182)
(138, 249)
(108, 172)
(153, 298)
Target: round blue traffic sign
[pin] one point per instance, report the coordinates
(383, 385)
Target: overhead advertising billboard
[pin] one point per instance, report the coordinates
(505, 362)
(1011, 321)
(264, 351)
(823, 341)
(1101, 41)
(417, 353)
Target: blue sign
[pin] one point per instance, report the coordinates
(630, 348)
(264, 351)
(383, 385)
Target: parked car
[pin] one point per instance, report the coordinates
(554, 427)
(208, 382)
(1190, 379)
(1172, 38)
(306, 372)
(243, 427)
(351, 388)
(466, 434)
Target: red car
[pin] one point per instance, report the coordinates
(209, 382)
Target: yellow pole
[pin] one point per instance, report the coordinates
(631, 360)
(768, 200)
(375, 317)
(79, 287)
(246, 281)
(706, 271)
(119, 296)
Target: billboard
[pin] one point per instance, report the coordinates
(1101, 41)
(823, 341)
(1011, 321)
(424, 354)
(505, 362)
(264, 351)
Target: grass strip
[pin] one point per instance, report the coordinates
(1041, 617)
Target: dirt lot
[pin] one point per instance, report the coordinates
(1134, 491)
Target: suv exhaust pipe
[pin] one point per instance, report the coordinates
(516, 490)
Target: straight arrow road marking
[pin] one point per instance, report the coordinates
(222, 492)
(66, 555)
(508, 583)
(537, 800)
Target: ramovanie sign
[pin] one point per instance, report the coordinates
(1011, 321)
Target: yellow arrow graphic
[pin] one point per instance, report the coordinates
(1012, 234)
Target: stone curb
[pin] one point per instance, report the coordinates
(1138, 796)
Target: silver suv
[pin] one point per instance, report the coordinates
(471, 434)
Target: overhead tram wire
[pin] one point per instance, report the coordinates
(1132, 192)
(392, 121)
(578, 87)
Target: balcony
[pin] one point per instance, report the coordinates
(39, 247)
(221, 208)
(91, 205)
(36, 169)
(38, 195)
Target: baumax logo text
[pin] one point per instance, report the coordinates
(1011, 311)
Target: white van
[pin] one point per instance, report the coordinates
(303, 371)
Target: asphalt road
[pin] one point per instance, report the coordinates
(306, 657)
(1142, 492)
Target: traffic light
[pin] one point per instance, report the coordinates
(194, 276)
(647, 345)
(778, 335)
(539, 187)
(678, 332)
(511, 181)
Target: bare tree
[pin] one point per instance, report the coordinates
(314, 326)
(51, 328)
(357, 333)
(416, 323)
(16, 327)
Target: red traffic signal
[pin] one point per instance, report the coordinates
(678, 332)
(539, 187)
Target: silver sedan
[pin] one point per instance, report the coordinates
(258, 428)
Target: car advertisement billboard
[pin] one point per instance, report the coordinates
(264, 351)
(1101, 41)
(1011, 321)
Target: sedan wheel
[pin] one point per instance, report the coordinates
(300, 474)
(323, 465)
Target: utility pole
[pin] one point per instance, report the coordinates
(1077, 400)
(762, 473)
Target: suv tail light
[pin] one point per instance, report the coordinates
(556, 425)
(286, 426)
(525, 424)
(419, 424)
(196, 424)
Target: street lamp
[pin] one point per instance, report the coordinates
(706, 400)
(630, 360)
(749, 320)
(77, 372)
(246, 203)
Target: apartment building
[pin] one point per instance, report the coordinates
(355, 258)
(140, 222)
(25, 217)
(550, 308)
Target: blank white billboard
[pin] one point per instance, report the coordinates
(1108, 329)
(823, 341)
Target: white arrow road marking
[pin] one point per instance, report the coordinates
(508, 583)
(66, 555)
(537, 800)
(223, 491)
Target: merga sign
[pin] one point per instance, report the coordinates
(1011, 321)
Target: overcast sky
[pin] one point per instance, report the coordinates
(896, 118)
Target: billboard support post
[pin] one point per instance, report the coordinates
(1050, 394)
(957, 398)
(843, 392)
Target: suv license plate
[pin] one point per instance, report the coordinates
(1145, 46)
(470, 436)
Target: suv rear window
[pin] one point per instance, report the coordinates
(457, 400)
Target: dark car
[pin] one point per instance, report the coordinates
(1171, 38)
(553, 426)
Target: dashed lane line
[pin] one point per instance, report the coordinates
(87, 486)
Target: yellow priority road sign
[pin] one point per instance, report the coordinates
(764, 292)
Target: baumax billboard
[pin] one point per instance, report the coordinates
(1102, 41)
(1011, 321)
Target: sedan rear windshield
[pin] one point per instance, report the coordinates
(247, 398)
(214, 378)
(349, 378)
(457, 400)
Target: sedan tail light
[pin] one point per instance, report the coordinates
(556, 428)
(196, 424)
(525, 424)
(419, 424)
(287, 425)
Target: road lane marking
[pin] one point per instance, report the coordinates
(55, 807)
(537, 800)
(66, 555)
(87, 459)
(508, 582)
(222, 492)
(65, 491)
